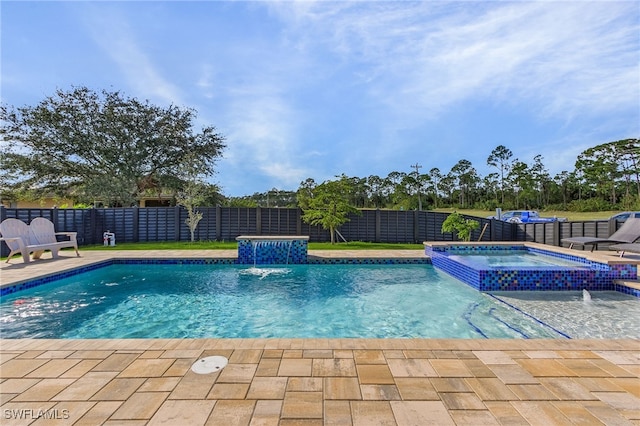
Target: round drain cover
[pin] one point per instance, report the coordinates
(209, 364)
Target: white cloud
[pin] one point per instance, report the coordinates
(112, 32)
(206, 81)
(264, 135)
(569, 58)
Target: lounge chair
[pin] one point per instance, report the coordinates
(629, 232)
(35, 238)
(622, 248)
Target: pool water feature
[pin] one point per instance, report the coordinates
(272, 250)
(234, 301)
(522, 268)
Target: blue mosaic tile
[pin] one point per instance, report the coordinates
(592, 276)
(272, 252)
(627, 290)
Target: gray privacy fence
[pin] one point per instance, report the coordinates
(226, 223)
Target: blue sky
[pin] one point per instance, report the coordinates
(314, 89)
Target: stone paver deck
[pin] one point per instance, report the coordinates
(312, 381)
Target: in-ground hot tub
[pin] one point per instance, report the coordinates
(504, 267)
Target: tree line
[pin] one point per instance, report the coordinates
(88, 145)
(605, 177)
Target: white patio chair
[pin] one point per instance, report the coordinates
(42, 232)
(34, 238)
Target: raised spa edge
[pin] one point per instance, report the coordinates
(597, 273)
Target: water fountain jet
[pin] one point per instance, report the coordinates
(266, 250)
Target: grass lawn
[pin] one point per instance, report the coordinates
(233, 245)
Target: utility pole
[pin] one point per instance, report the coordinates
(418, 167)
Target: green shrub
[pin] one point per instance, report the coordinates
(455, 222)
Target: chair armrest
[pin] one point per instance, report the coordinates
(71, 235)
(19, 239)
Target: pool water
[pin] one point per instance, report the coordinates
(504, 259)
(297, 301)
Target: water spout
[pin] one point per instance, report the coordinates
(586, 296)
(265, 250)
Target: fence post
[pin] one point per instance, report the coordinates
(556, 234)
(176, 221)
(259, 220)
(492, 230)
(218, 223)
(299, 221)
(54, 216)
(136, 224)
(378, 221)
(92, 226)
(416, 226)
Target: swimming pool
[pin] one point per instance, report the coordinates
(297, 301)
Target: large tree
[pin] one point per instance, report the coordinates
(600, 167)
(435, 176)
(467, 178)
(499, 159)
(101, 146)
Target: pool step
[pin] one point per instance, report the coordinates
(628, 287)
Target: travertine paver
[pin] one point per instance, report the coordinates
(341, 388)
(341, 367)
(380, 392)
(416, 413)
(267, 388)
(229, 391)
(491, 389)
(44, 390)
(415, 367)
(295, 367)
(85, 387)
(315, 381)
(181, 412)
(337, 413)
(302, 405)
(140, 405)
(19, 367)
(374, 374)
(266, 412)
